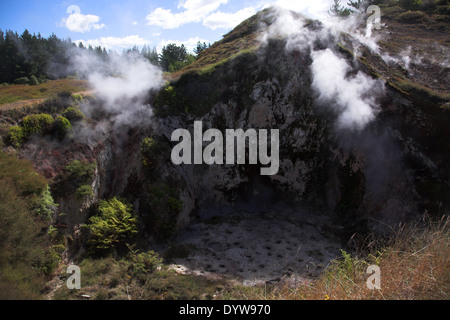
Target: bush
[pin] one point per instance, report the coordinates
(85, 191)
(81, 170)
(62, 126)
(15, 136)
(144, 262)
(148, 150)
(44, 206)
(411, 16)
(37, 124)
(23, 244)
(411, 4)
(73, 114)
(114, 225)
(22, 80)
(77, 97)
(33, 81)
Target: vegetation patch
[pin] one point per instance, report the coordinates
(27, 254)
(46, 90)
(113, 226)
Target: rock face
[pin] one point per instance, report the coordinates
(366, 171)
(356, 174)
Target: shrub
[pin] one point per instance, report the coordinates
(33, 81)
(22, 80)
(37, 124)
(411, 4)
(73, 114)
(15, 136)
(411, 16)
(82, 171)
(114, 225)
(62, 126)
(22, 241)
(84, 191)
(149, 151)
(144, 262)
(77, 97)
(44, 205)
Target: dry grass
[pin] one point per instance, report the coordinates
(15, 93)
(414, 264)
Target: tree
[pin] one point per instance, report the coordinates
(150, 54)
(201, 47)
(171, 56)
(338, 10)
(114, 225)
(357, 4)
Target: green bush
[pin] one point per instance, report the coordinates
(44, 205)
(77, 97)
(15, 136)
(62, 126)
(85, 191)
(144, 262)
(33, 81)
(24, 247)
(37, 124)
(73, 114)
(149, 151)
(22, 80)
(113, 226)
(411, 4)
(82, 171)
(411, 16)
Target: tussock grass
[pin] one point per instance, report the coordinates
(49, 89)
(414, 264)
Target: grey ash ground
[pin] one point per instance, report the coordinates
(258, 249)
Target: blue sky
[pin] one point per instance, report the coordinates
(121, 24)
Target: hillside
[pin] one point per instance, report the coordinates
(363, 151)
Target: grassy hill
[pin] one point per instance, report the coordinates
(10, 95)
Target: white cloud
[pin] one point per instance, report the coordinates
(190, 43)
(78, 22)
(228, 20)
(194, 11)
(135, 23)
(116, 43)
(313, 9)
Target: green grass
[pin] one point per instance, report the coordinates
(49, 89)
(243, 38)
(112, 279)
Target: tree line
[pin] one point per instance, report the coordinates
(30, 58)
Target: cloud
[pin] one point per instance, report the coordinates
(116, 42)
(190, 43)
(313, 9)
(194, 11)
(78, 22)
(227, 20)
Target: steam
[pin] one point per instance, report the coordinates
(353, 97)
(121, 82)
(350, 93)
